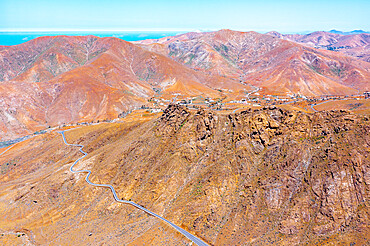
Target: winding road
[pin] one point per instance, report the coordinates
(316, 105)
(11, 146)
(256, 90)
(190, 236)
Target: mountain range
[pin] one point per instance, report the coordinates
(357, 45)
(275, 65)
(56, 80)
(348, 33)
(53, 80)
(255, 151)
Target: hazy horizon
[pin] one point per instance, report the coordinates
(8, 38)
(164, 30)
(285, 16)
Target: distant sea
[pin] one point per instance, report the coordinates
(14, 38)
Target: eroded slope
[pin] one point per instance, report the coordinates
(262, 176)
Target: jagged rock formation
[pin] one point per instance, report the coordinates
(267, 176)
(303, 177)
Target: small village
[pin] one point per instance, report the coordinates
(158, 104)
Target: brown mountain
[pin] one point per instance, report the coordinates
(314, 39)
(258, 177)
(356, 45)
(278, 66)
(55, 80)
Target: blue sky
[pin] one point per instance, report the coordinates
(283, 16)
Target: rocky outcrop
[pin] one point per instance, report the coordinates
(265, 176)
(305, 174)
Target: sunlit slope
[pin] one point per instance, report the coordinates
(277, 66)
(258, 176)
(66, 79)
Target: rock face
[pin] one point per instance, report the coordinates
(267, 176)
(283, 174)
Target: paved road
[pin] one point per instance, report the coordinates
(249, 93)
(316, 105)
(11, 146)
(313, 108)
(235, 110)
(14, 144)
(179, 229)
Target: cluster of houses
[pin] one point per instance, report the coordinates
(217, 104)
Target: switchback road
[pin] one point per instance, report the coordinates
(179, 229)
